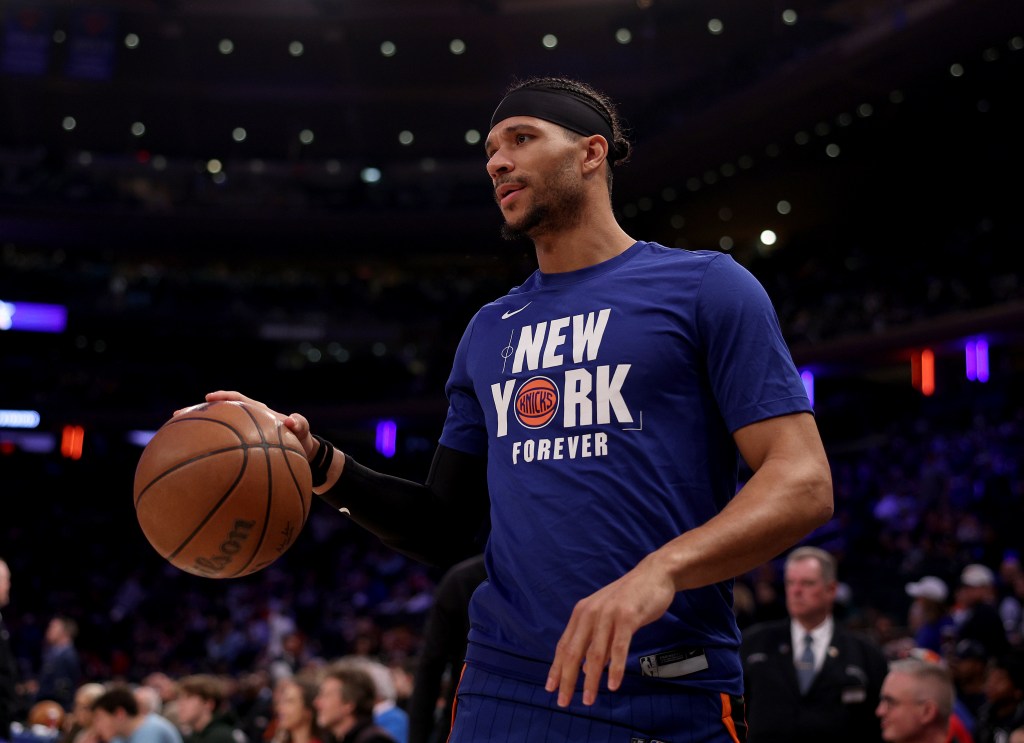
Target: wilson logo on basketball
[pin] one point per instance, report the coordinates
(536, 402)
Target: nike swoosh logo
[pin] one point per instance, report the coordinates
(509, 314)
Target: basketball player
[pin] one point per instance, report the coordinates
(601, 405)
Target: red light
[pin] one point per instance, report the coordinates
(927, 372)
(71, 440)
(922, 371)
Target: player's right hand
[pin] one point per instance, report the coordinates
(294, 422)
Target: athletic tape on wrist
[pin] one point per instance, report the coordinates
(321, 461)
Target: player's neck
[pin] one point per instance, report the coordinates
(583, 245)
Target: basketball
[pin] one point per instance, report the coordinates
(222, 490)
(536, 402)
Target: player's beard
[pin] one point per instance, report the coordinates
(557, 204)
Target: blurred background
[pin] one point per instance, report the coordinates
(288, 198)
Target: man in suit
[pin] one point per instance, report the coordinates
(807, 678)
(61, 671)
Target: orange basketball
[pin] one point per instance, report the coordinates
(222, 490)
(536, 402)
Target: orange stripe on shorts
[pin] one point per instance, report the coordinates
(455, 702)
(727, 720)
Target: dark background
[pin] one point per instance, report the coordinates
(892, 128)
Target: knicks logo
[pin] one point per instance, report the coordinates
(536, 402)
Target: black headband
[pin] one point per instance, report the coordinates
(559, 107)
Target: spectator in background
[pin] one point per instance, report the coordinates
(252, 703)
(10, 702)
(928, 617)
(294, 713)
(386, 712)
(915, 702)
(48, 715)
(976, 615)
(61, 670)
(344, 705)
(808, 679)
(168, 690)
(79, 729)
(1003, 710)
(1011, 603)
(293, 656)
(969, 664)
(961, 721)
(148, 699)
(443, 652)
(201, 716)
(116, 716)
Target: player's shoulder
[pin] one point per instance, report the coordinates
(657, 257)
(657, 251)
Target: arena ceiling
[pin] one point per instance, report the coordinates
(128, 125)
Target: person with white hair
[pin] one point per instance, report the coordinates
(149, 699)
(916, 702)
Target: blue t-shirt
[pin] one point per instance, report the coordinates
(155, 728)
(604, 400)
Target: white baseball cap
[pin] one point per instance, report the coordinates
(929, 587)
(977, 575)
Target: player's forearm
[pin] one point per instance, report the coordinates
(439, 522)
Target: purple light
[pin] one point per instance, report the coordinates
(808, 379)
(387, 432)
(140, 438)
(33, 317)
(976, 360)
(981, 354)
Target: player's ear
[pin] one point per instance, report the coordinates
(596, 153)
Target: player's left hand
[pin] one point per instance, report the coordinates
(602, 626)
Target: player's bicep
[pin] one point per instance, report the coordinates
(790, 439)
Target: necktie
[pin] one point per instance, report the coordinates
(805, 665)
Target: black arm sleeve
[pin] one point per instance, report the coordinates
(440, 522)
